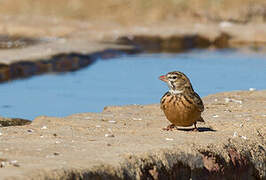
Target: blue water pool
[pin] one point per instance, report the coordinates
(130, 80)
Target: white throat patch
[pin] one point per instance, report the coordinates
(175, 91)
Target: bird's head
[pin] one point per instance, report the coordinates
(177, 82)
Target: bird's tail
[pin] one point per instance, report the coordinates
(200, 119)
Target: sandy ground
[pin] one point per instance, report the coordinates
(131, 138)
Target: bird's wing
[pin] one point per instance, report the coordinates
(198, 102)
(163, 100)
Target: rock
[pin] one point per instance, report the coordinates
(13, 122)
(74, 147)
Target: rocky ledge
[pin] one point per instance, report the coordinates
(128, 142)
(13, 122)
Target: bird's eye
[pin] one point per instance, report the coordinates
(174, 77)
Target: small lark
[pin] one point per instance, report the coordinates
(181, 105)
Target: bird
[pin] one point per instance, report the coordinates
(181, 105)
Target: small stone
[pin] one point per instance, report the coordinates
(109, 135)
(2, 164)
(169, 139)
(44, 127)
(215, 116)
(13, 162)
(235, 134)
(98, 126)
(56, 153)
(237, 101)
(244, 137)
(87, 117)
(112, 121)
(137, 119)
(227, 100)
(215, 100)
(225, 24)
(30, 130)
(57, 142)
(1, 134)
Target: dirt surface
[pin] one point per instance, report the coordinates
(128, 142)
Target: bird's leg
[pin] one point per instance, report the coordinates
(169, 127)
(195, 127)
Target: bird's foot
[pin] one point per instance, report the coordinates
(169, 127)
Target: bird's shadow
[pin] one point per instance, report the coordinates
(200, 129)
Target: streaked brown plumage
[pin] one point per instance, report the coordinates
(181, 105)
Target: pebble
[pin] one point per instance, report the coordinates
(2, 164)
(1, 134)
(109, 135)
(112, 121)
(98, 126)
(169, 139)
(9, 163)
(14, 163)
(30, 130)
(227, 100)
(225, 24)
(215, 116)
(137, 119)
(44, 127)
(235, 134)
(244, 137)
(56, 153)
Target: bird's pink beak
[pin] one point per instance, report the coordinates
(163, 78)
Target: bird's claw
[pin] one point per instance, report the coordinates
(169, 127)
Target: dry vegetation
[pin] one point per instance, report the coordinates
(143, 11)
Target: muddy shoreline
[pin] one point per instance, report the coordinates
(67, 50)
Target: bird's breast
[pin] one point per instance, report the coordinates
(179, 109)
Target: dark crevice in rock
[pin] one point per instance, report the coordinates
(184, 167)
(174, 44)
(239, 167)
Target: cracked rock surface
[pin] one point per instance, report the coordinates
(127, 142)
